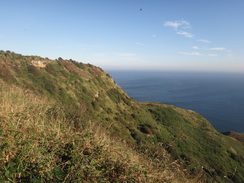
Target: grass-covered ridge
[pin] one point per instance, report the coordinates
(69, 121)
(39, 145)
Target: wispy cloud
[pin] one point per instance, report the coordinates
(204, 41)
(186, 34)
(180, 27)
(190, 53)
(217, 49)
(140, 44)
(177, 24)
(198, 54)
(212, 55)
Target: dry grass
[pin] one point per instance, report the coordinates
(150, 170)
(38, 144)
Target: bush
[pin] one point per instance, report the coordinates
(50, 69)
(95, 105)
(114, 95)
(84, 90)
(49, 86)
(34, 71)
(6, 75)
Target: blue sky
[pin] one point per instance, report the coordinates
(115, 34)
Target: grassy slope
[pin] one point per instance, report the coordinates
(84, 95)
(235, 135)
(37, 144)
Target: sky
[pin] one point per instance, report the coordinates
(128, 34)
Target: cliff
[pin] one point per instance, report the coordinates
(84, 127)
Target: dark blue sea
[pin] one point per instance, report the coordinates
(219, 97)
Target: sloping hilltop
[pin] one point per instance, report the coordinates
(65, 121)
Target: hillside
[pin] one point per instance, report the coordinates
(235, 135)
(63, 120)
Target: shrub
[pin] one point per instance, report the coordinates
(33, 70)
(50, 69)
(114, 95)
(6, 75)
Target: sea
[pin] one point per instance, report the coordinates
(218, 96)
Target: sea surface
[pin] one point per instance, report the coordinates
(219, 97)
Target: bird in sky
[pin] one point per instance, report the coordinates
(140, 9)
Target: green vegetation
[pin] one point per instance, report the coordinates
(39, 143)
(70, 122)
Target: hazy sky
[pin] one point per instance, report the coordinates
(128, 34)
